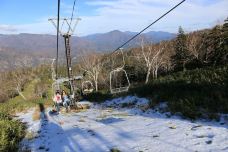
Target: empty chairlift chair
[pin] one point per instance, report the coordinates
(119, 81)
(87, 87)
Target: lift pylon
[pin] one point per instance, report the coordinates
(67, 30)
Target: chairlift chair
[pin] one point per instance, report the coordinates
(87, 87)
(119, 81)
(117, 86)
(60, 84)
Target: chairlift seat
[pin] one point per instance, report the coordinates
(87, 87)
(120, 89)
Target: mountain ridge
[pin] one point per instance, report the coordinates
(36, 46)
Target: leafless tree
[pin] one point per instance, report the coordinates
(159, 57)
(91, 64)
(194, 44)
(18, 83)
(152, 57)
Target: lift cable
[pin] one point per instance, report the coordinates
(72, 15)
(148, 26)
(57, 53)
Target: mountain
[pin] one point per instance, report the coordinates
(34, 48)
(38, 43)
(111, 40)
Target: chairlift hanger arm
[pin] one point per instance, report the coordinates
(70, 29)
(61, 19)
(123, 59)
(56, 26)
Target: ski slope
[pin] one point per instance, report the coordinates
(121, 124)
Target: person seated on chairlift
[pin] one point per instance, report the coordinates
(57, 100)
(66, 100)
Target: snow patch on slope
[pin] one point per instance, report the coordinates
(121, 123)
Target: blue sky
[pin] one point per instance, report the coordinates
(98, 16)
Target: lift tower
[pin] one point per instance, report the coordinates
(66, 31)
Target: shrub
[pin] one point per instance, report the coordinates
(186, 107)
(11, 134)
(97, 96)
(190, 92)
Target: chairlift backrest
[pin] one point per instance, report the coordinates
(119, 71)
(87, 87)
(56, 85)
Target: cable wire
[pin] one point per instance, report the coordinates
(72, 15)
(57, 53)
(148, 26)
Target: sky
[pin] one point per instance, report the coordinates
(100, 16)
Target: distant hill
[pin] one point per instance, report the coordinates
(111, 40)
(35, 48)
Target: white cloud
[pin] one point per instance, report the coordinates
(36, 28)
(8, 28)
(133, 15)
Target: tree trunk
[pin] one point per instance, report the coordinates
(20, 93)
(148, 74)
(156, 72)
(96, 85)
(184, 68)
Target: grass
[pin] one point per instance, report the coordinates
(18, 104)
(36, 114)
(12, 131)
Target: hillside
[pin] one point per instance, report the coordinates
(96, 42)
(33, 49)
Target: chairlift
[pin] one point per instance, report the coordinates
(87, 87)
(63, 84)
(119, 81)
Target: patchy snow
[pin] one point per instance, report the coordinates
(122, 124)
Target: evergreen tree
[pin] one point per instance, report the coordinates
(181, 56)
(225, 41)
(216, 45)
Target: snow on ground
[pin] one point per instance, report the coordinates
(121, 124)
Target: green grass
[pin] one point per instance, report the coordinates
(18, 104)
(12, 131)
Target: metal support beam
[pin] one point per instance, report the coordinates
(68, 59)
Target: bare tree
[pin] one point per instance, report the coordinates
(18, 82)
(194, 44)
(159, 57)
(152, 57)
(91, 64)
(166, 55)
